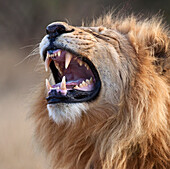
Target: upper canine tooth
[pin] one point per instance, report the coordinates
(48, 86)
(59, 53)
(68, 58)
(63, 84)
(47, 62)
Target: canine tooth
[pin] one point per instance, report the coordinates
(63, 83)
(47, 62)
(59, 53)
(68, 58)
(48, 86)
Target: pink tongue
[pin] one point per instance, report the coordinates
(69, 84)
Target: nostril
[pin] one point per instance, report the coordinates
(55, 30)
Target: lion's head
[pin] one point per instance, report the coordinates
(107, 88)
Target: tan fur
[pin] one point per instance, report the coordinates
(127, 126)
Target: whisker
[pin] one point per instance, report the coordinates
(33, 53)
(28, 46)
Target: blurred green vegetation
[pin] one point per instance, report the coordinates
(23, 22)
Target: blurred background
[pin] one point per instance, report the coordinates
(22, 26)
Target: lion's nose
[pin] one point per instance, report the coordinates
(55, 30)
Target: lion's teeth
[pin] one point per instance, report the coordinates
(63, 84)
(91, 80)
(47, 62)
(59, 53)
(81, 85)
(68, 58)
(80, 62)
(84, 84)
(76, 87)
(87, 67)
(87, 81)
(48, 86)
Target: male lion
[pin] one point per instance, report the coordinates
(106, 102)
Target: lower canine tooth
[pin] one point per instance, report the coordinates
(48, 86)
(63, 84)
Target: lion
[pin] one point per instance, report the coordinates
(106, 100)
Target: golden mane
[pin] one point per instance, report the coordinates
(137, 135)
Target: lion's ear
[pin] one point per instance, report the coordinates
(157, 41)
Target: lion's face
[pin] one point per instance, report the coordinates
(85, 64)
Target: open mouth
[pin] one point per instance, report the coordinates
(76, 78)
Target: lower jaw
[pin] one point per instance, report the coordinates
(73, 96)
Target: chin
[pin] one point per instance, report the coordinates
(66, 113)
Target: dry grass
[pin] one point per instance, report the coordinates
(17, 148)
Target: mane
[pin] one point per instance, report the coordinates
(148, 33)
(137, 135)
